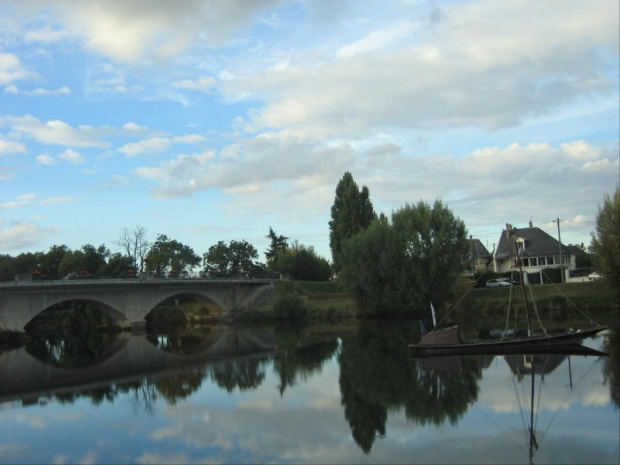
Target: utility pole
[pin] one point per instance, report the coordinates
(560, 249)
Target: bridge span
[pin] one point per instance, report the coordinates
(127, 301)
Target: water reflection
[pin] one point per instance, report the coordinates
(300, 394)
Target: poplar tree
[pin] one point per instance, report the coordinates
(351, 213)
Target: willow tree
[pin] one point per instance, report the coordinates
(351, 213)
(404, 265)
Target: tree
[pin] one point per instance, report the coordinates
(229, 260)
(606, 241)
(51, 261)
(351, 213)
(303, 263)
(168, 255)
(404, 265)
(278, 246)
(134, 244)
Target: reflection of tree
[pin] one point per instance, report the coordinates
(245, 374)
(79, 350)
(298, 357)
(611, 368)
(376, 375)
(178, 344)
(177, 386)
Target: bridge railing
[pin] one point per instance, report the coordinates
(128, 281)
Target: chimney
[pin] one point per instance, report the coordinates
(508, 228)
(531, 226)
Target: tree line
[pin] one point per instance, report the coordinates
(167, 257)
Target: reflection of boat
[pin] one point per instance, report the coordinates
(447, 341)
(494, 348)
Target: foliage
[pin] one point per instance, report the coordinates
(232, 259)
(303, 263)
(88, 259)
(290, 306)
(351, 213)
(402, 266)
(606, 241)
(278, 246)
(118, 265)
(167, 255)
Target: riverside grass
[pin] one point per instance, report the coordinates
(328, 300)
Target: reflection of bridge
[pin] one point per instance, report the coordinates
(126, 301)
(130, 356)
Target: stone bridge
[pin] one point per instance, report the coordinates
(127, 301)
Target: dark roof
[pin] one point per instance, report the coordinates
(479, 250)
(537, 243)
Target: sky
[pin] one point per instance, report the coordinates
(213, 121)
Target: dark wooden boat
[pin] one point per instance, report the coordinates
(447, 341)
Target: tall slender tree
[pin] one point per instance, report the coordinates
(351, 213)
(279, 245)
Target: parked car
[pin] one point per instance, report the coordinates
(498, 282)
(595, 275)
(77, 275)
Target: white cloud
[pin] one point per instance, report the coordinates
(379, 39)
(45, 159)
(20, 235)
(71, 156)
(7, 146)
(153, 145)
(59, 133)
(11, 69)
(45, 35)
(204, 84)
(57, 200)
(475, 67)
(145, 30)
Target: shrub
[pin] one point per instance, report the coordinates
(289, 306)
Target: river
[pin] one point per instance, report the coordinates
(329, 393)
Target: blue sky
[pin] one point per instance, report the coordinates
(207, 120)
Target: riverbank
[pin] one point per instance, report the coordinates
(327, 300)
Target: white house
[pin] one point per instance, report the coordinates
(540, 251)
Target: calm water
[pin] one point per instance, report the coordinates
(319, 394)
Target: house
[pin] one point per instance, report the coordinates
(540, 251)
(481, 259)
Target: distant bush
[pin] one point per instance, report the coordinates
(290, 306)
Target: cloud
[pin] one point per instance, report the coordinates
(7, 146)
(39, 91)
(45, 35)
(144, 29)
(45, 159)
(251, 162)
(22, 201)
(59, 133)
(71, 156)
(204, 84)
(153, 145)
(11, 70)
(21, 235)
(159, 144)
(473, 68)
(378, 39)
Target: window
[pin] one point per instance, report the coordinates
(549, 260)
(526, 262)
(533, 261)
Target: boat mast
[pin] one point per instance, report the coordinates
(527, 310)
